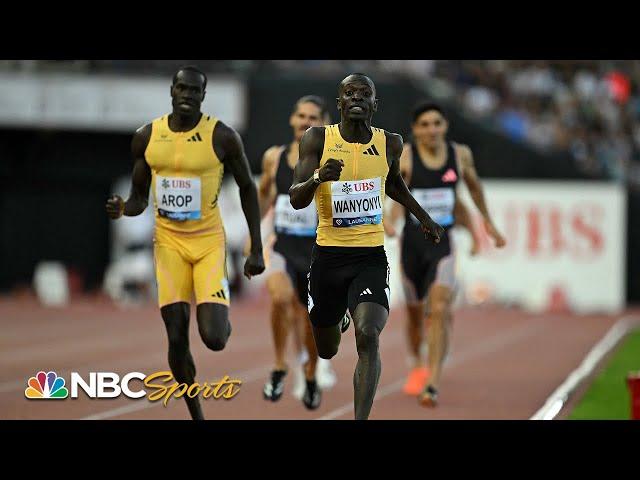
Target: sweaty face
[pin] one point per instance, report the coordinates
(307, 115)
(357, 100)
(430, 128)
(187, 93)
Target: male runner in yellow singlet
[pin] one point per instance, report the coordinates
(349, 168)
(181, 156)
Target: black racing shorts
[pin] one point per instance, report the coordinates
(296, 252)
(299, 280)
(422, 262)
(343, 277)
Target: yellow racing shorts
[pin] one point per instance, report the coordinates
(189, 264)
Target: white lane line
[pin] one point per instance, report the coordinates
(559, 397)
(246, 376)
(480, 349)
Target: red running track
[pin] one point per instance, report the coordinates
(503, 364)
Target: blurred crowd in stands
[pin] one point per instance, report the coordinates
(590, 108)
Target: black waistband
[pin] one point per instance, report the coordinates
(349, 250)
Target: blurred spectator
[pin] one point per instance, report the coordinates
(480, 101)
(514, 122)
(590, 108)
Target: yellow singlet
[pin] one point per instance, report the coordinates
(189, 241)
(186, 176)
(350, 210)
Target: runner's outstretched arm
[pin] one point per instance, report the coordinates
(267, 191)
(463, 218)
(396, 189)
(230, 143)
(304, 187)
(140, 180)
(471, 179)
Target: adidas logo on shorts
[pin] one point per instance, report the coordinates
(220, 294)
(366, 291)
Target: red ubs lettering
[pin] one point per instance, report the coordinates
(549, 231)
(363, 186)
(181, 183)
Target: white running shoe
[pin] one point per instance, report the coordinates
(325, 374)
(299, 383)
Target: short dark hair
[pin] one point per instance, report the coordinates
(361, 76)
(190, 68)
(426, 107)
(315, 99)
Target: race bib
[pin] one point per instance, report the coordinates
(178, 198)
(437, 202)
(356, 202)
(290, 221)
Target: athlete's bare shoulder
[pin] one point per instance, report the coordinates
(463, 154)
(406, 161)
(315, 133)
(270, 158)
(313, 140)
(144, 132)
(224, 132)
(225, 140)
(394, 143)
(141, 139)
(273, 152)
(462, 149)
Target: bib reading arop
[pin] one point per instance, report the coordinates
(178, 198)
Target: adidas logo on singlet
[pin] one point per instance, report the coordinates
(195, 138)
(220, 294)
(449, 176)
(371, 151)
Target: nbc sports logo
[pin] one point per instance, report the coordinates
(46, 385)
(110, 385)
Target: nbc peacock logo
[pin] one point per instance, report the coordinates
(46, 386)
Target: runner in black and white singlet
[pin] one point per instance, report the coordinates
(432, 167)
(289, 236)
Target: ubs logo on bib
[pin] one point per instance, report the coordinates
(363, 186)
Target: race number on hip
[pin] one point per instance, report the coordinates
(356, 202)
(437, 202)
(290, 221)
(178, 198)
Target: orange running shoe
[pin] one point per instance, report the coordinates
(416, 381)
